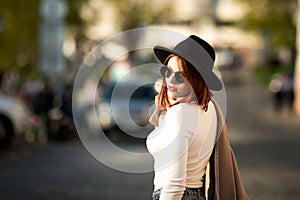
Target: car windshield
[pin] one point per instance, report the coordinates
(142, 92)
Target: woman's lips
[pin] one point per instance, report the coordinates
(172, 89)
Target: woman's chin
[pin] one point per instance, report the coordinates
(172, 95)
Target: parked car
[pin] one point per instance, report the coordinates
(125, 105)
(14, 116)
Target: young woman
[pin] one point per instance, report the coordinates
(186, 120)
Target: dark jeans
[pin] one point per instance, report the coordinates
(189, 194)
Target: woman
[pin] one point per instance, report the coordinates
(186, 120)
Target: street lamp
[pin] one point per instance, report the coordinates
(51, 37)
(297, 67)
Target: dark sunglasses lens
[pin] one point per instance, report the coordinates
(179, 77)
(162, 70)
(165, 71)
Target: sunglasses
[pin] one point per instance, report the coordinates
(167, 71)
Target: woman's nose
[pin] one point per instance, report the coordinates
(172, 79)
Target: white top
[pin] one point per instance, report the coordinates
(181, 147)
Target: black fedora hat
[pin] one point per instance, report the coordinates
(198, 53)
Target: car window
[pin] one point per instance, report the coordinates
(142, 92)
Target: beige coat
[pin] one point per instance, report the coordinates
(223, 181)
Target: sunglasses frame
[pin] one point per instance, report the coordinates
(166, 72)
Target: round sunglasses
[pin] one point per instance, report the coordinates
(167, 71)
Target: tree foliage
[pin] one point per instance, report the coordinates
(18, 33)
(135, 13)
(132, 14)
(275, 19)
(19, 25)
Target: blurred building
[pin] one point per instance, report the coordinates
(213, 20)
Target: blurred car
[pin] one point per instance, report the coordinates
(125, 105)
(14, 116)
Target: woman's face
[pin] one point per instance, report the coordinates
(175, 89)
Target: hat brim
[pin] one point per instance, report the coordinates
(211, 79)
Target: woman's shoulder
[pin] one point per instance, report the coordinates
(181, 106)
(183, 109)
(191, 108)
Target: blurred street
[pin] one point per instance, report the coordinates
(266, 145)
(64, 67)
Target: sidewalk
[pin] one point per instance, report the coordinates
(266, 143)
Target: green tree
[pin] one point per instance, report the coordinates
(19, 24)
(135, 13)
(297, 67)
(278, 20)
(132, 14)
(275, 19)
(18, 33)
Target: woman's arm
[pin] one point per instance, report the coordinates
(176, 154)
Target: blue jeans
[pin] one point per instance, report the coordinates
(189, 194)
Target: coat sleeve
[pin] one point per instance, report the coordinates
(224, 177)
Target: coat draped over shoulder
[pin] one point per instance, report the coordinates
(223, 181)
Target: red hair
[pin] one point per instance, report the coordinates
(195, 80)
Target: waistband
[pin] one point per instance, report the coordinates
(187, 191)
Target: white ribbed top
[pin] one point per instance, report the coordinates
(181, 147)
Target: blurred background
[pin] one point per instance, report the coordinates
(44, 42)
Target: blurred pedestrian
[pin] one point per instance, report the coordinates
(67, 100)
(30, 89)
(43, 103)
(282, 87)
(187, 120)
(10, 82)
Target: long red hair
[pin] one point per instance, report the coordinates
(195, 80)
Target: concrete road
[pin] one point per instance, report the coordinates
(266, 145)
(63, 171)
